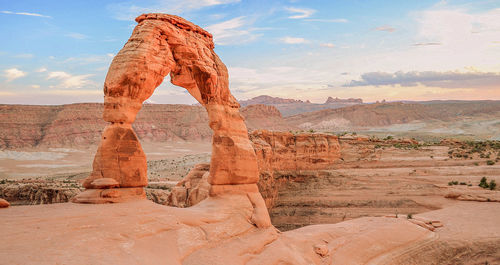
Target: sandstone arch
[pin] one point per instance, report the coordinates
(161, 44)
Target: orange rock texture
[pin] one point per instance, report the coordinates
(276, 151)
(288, 151)
(161, 44)
(4, 203)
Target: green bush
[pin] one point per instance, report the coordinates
(493, 184)
(490, 162)
(483, 183)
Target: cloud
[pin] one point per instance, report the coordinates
(448, 79)
(35, 86)
(328, 45)
(427, 44)
(293, 40)
(300, 12)
(77, 36)
(233, 31)
(128, 11)
(13, 73)
(25, 14)
(70, 81)
(41, 70)
(334, 20)
(24, 56)
(385, 28)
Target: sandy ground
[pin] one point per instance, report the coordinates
(31, 163)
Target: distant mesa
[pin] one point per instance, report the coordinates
(268, 100)
(331, 100)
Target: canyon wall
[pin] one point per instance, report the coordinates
(81, 125)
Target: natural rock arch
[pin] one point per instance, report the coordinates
(161, 44)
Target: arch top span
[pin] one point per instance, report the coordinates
(163, 44)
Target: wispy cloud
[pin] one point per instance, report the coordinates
(328, 45)
(233, 31)
(13, 73)
(427, 44)
(25, 14)
(24, 56)
(334, 20)
(70, 81)
(293, 40)
(299, 13)
(77, 36)
(448, 79)
(385, 28)
(128, 11)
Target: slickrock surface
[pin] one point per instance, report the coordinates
(217, 231)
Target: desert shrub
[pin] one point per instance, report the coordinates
(389, 137)
(378, 146)
(492, 184)
(463, 183)
(490, 162)
(483, 183)
(453, 182)
(476, 164)
(409, 216)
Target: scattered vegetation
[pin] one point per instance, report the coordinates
(409, 216)
(490, 162)
(453, 182)
(483, 183)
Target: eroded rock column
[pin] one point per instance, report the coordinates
(161, 44)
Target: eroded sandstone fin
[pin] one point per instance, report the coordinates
(161, 44)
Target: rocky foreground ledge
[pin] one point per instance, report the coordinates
(219, 231)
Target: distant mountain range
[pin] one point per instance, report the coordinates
(289, 107)
(28, 126)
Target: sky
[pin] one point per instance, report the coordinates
(58, 52)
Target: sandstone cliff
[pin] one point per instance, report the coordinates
(77, 125)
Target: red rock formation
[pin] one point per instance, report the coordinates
(264, 117)
(287, 151)
(276, 151)
(4, 203)
(162, 44)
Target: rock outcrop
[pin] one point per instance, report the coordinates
(268, 100)
(4, 203)
(288, 151)
(32, 193)
(162, 44)
(276, 152)
(331, 100)
(264, 117)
